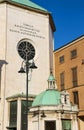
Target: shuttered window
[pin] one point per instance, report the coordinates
(75, 96)
(62, 82)
(50, 125)
(66, 124)
(73, 54)
(74, 77)
(13, 113)
(61, 59)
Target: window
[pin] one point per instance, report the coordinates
(66, 124)
(74, 77)
(62, 80)
(65, 99)
(50, 125)
(13, 113)
(13, 121)
(73, 53)
(61, 59)
(75, 97)
(26, 50)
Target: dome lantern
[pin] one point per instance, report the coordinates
(51, 81)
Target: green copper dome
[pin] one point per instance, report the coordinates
(48, 97)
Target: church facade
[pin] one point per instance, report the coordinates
(23, 23)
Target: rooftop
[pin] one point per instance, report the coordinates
(69, 44)
(29, 3)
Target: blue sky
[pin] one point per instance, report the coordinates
(68, 17)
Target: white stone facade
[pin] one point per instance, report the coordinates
(18, 23)
(55, 113)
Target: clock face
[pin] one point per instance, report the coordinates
(26, 50)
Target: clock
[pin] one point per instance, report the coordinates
(26, 50)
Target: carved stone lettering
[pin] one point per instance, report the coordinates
(26, 29)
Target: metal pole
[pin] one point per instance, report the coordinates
(27, 71)
(38, 118)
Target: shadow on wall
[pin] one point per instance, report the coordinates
(2, 62)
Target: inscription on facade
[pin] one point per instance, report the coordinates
(26, 29)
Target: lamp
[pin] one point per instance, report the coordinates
(21, 70)
(33, 66)
(27, 52)
(43, 115)
(28, 65)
